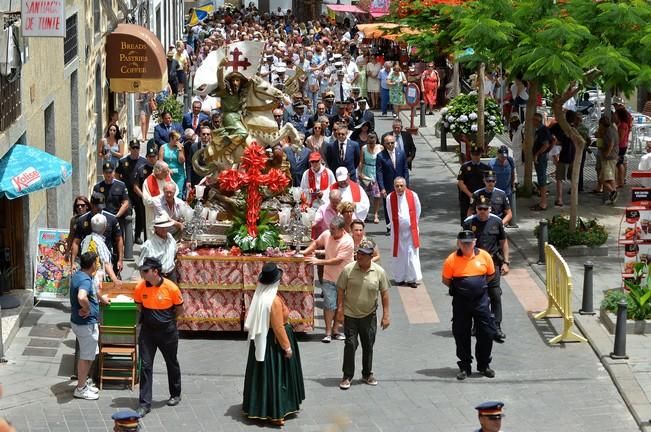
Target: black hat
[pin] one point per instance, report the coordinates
(97, 199)
(483, 202)
(270, 274)
(349, 100)
(491, 408)
(489, 175)
(466, 236)
(503, 150)
(151, 151)
(475, 150)
(108, 167)
(298, 105)
(151, 263)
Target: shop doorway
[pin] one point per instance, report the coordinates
(12, 244)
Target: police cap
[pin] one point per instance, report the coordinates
(483, 202)
(466, 236)
(491, 408)
(108, 167)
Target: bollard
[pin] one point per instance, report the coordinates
(619, 350)
(587, 307)
(127, 231)
(542, 239)
(444, 138)
(423, 120)
(514, 213)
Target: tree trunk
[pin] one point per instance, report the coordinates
(527, 145)
(579, 144)
(481, 118)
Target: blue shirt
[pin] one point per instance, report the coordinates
(383, 76)
(503, 174)
(82, 281)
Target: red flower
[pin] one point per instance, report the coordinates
(231, 180)
(254, 158)
(276, 180)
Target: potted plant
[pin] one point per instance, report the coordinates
(637, 295)
(460, 118)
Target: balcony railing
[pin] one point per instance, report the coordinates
(9, 102)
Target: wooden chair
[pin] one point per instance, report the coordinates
(118, 355)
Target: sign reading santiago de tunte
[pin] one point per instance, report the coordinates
(43, 18)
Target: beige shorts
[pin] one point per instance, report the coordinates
(607, 172)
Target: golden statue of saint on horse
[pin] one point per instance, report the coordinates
(247, 102)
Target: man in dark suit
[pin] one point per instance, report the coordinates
(320, 112)
(404, 141)
(194, 118)
(389, 164)
(205, 136)
(163, 129)
(343, 152)
(298, 162)
(363, 114)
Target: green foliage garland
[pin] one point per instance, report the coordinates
(268, 234)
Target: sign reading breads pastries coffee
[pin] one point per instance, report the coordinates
(135, 60)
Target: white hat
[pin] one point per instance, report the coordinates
(339, 64)
(163, 221)
(341, 174)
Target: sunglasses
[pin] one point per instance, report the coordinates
(205, 134)
(482, 208)
(316, 127)
(135, 147)
(490, 181)
(81, 205)
(493, 416)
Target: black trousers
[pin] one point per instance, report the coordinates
(495, 293)
(365, 328)
(464, 311)
(464, 205)
(139, 208)
(165, 339)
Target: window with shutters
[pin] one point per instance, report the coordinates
(70, 42)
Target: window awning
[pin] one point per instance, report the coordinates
(135, 60)
(379, 14)
(346, 8)
(25, 169)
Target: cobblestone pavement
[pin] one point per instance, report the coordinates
(545, 388)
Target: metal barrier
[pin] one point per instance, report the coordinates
(559, 295)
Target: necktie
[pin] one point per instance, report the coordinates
(341, 151)
(341, 91)
(393, 158)
(195, 120)
(399, 142)
(269, 76)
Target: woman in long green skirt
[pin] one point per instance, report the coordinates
(273, 384)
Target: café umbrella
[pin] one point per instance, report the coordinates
(25, 169)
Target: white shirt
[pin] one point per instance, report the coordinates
(645, 165)
(162, 248)
(361, 208)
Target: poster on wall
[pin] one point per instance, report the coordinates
(43, 18)
(52, 278)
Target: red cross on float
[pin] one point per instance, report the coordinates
(243, 58)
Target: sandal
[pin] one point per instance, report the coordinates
(376, 220)
(537, 208)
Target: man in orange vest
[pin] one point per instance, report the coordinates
(403, 208)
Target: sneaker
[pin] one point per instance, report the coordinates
(327, 339)
(370, 380)
(143, 411)
(339, 336)
(344, 384)
(85, 393)
(463, 374)
(91, 386)
(488, 372)
(613, 196)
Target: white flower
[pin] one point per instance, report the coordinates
(492, 117)
(453, 126)
(463, 118)
(446, 124)
(450, 119)
(444, 111)
(491, 122)
(473, 128)
(472, 116)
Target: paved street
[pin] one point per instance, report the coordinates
(561, 388)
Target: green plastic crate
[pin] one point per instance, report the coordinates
(119, 314)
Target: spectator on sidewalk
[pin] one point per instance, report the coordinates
(359, 285)
(608, 133)
(566, 155)
(645, 165)
(542, 144)
(503, 166)
(85, 298)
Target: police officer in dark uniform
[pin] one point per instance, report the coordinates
(490, 416)
(112, 236)
(491, 237)
(127, 169)
(467, 272)
(499, 201)
(470, 178)
(142, 172)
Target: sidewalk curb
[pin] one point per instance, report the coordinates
(619, 370)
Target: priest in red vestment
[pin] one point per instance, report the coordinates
(403, 207)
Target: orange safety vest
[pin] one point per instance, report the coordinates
(413, 222)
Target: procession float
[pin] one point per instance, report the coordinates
(244, 212)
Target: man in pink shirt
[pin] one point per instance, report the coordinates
(339, 250)
(325, 213)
